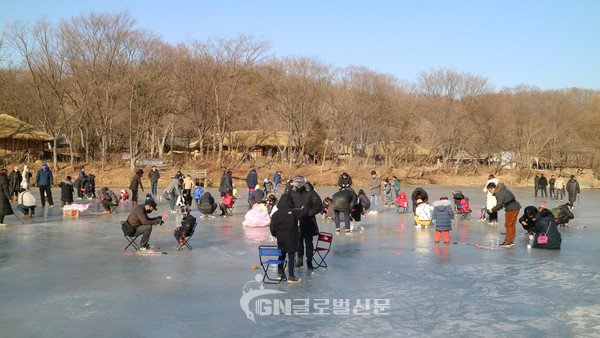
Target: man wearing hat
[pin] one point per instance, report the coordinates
(142, 223)
(304, 195)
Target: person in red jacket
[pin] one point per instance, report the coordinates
(226, 203)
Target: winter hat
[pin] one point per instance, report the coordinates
(266, 180)
(151, 203)
(299, 181)
(68, 178)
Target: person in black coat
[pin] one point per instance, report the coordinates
(304, 195)
(424, 197)
(543, 184)
(343, 201)
(251, 182)
(14, 182)
(284, 226)
(5, 208)
(206, 204)
(565, 214)
(528, 219)
(546, 224)
(226, 183)
(345, 181)
(136, 183)
(66, 191)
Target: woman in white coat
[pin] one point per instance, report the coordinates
(490, 202)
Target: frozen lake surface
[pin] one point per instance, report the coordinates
(68, 277)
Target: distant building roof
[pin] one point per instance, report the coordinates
(13, 128)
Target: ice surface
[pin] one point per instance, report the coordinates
(68, 277)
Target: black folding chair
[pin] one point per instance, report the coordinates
(131, 240)
(185, 239)
(322, 249)
(112, 208)
(264, 254)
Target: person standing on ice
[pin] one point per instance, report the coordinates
(573, 189)
(44, 181)
(536, 183)
(505, 199)
(136, 183)
(443, 217)
(375, 187)
(284, 227)
(490, 201)
(5, 208)
(276, 180)
(251, 182)
(304, 195)
(154, 175)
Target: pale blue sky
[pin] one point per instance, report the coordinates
(549, 44)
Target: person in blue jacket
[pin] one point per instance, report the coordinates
(44, 181)
(276, 180)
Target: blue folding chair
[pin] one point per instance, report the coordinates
(265, 254)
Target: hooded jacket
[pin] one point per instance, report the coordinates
(66, 191)
(44, 176)
(573, 187)
(5, 208)
(226, 185)
(252, 179)
(490, 198)
(344, 200)
(306, 196)
(424, 197)
(109, 196)
(136, 181)
(206, 203)
(505, 199)
(402, 201)
(545, 223)
(443, 214)
(284, 224)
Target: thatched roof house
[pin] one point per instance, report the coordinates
(18, 135)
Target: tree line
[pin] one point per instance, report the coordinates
(106, 85)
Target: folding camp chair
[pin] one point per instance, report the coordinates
(113, 208)
(185, 239)
(264, 253)
(322, 249)
(131, 240)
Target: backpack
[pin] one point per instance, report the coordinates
(556, 212)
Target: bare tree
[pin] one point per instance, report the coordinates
(228, 62)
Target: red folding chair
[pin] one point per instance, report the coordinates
(322, 249)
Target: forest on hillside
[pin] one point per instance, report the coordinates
(100, 86)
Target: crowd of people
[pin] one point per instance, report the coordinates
(292, 217)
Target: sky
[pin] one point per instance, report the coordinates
(548, 44)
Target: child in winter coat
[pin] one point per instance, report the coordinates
(124, 196)
(66, 191)
(197, 193)
(422, 214)
(443, 217)
(402, 203)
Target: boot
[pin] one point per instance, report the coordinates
(299, 263)
(309, 264)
